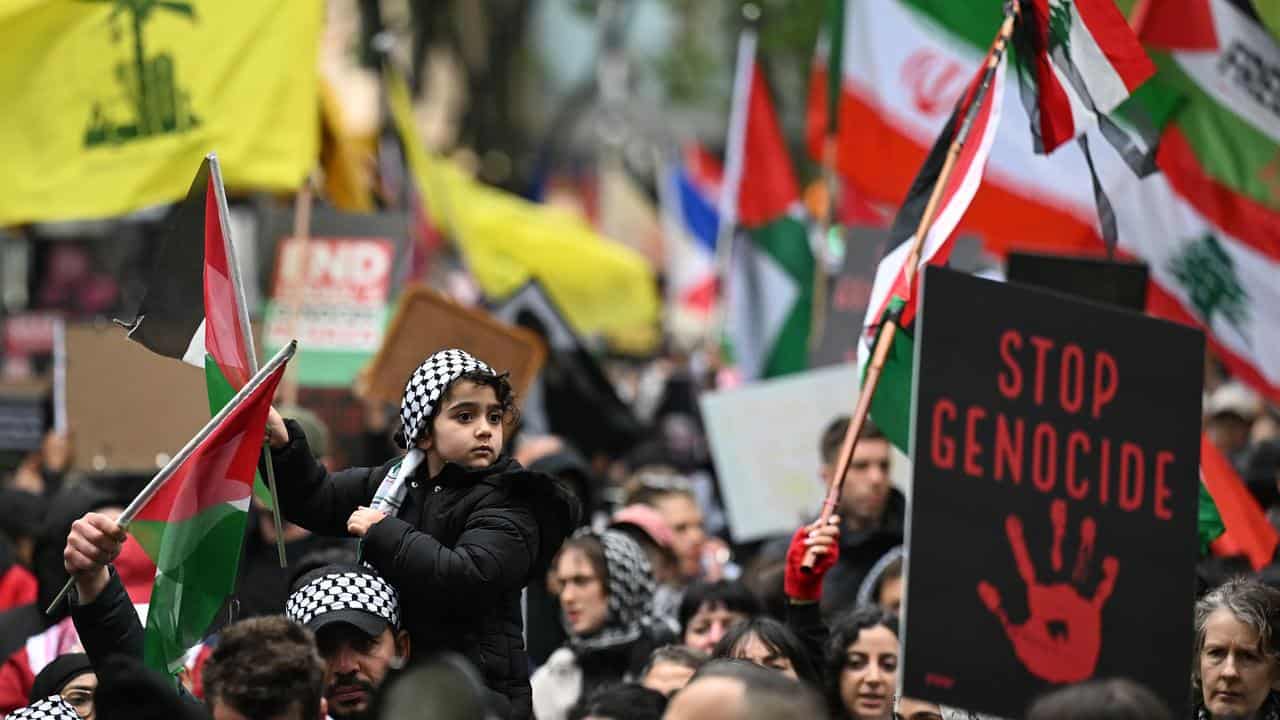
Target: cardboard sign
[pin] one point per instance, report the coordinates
(330, 294)
(1052, 536)
(130, 408)
(427, 321)
(764, 441)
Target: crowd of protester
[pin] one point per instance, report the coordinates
(471, 571)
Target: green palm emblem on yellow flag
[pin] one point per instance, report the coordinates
(152, 103)
(1206, 271)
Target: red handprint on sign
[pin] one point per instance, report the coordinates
(1062, 635)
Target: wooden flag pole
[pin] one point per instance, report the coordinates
(185, 453)
(884, 340)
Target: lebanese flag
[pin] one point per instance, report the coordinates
(192, 310)
(193, 527)
(1078, 58)
(896, 287)
(1247, 530)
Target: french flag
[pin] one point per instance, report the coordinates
(690, 194)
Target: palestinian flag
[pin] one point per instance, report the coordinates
(770, 283)
(1076, 59)
(896, 288)
(193, 527)
(1230, 518)
(193, 307)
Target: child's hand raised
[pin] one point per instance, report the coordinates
(363, 519)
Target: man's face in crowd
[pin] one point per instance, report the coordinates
(682, 514)
(356, 665)
(866, 484)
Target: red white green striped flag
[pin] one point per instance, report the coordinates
(193, 528)
(893, 291)
(770, 284)
(1078, 58)
(193, 309)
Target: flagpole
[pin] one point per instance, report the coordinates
(735, 156)
(889, 328)
(185, 453)
(246, 332)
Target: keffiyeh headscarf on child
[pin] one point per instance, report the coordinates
(426, 387)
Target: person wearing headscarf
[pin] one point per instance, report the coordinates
(70, 677)
(606, 591)
(456, 524)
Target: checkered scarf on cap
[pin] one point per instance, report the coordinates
(630, 587)
(363, 591)
(50, 708)
(426, 386)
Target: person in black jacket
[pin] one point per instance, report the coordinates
(873, 512)
(456, 525)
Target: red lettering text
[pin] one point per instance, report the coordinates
(1106, 380)
(972, 448)
(1042, 345)
(1044, 457)
(1071, 379)
(1010, 383)
(1129, 494)
(1008, 450)
(1163, 458)
(943, 448)
(1076, 490)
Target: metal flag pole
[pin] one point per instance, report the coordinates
(884, 340)
(185, 453)
(246, 333)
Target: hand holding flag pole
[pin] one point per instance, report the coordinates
(182, 455)
(884, 339)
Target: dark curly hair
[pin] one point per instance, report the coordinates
(844, 632)
(501, 384)
(265, 666)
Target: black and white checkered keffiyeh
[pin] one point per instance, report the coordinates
(426, 386)
(363, 591)
(630, 587)
(50, 708)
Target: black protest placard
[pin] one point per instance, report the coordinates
(1052, 536)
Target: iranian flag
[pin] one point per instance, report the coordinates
(896, 287)
(770, 283)
(1230, 518)
(193, 309)
(193, 524)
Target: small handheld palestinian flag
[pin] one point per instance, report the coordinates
(191, 518)
(193, 309)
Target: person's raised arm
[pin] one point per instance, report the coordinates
(100, 607)
(310, 495)
(817, 546)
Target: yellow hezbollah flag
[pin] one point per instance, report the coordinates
(603, 287)
(108, 104)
